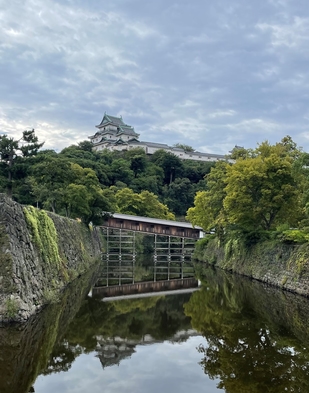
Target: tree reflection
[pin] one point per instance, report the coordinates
(250, 348)
(159, 317)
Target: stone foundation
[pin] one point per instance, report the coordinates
(27, 279)
(283, 265)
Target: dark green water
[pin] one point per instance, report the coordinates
(232, 335)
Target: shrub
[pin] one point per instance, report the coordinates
(294, 236)
(202, 243)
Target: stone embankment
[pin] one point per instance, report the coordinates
(282, 265)
(40, 253)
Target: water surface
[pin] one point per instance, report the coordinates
(232, 335)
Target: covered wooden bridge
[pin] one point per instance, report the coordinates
(153, 225)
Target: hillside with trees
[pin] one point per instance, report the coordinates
(80, 183)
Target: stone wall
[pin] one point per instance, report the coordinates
(283, 265)
(28, 280)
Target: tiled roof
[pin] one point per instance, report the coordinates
(154, 144)
(120, 142)
(127, 130)
(155, 221)
(106, 141)
(117, 121)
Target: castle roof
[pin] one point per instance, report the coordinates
(122, 128)
(107, 119)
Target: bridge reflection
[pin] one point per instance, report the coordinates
(145, 289)
(167, 267)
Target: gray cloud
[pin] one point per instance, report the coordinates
(209, 74)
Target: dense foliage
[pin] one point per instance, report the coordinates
(11, 153)
(81, 183)
(265, 189)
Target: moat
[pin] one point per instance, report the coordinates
(231, 334)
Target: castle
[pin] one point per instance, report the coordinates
(113, 134)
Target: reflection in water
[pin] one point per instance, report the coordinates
(113, 327)
(25, 349)
(167, 258)
(256, 341)
(257, 336)
(112, 350)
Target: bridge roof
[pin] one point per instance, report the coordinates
(160, 221)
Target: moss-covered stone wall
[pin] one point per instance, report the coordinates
(40, 253)
(283, 265)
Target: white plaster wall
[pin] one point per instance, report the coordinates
(152, 149)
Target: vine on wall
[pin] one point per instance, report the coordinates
(44, 235)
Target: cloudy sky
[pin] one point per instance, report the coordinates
(210, 74)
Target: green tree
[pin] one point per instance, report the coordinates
(240, 152)
(143, 204)
(171, 165)
(76, 153)
(38, 191)
(186, 148)
(121, 171)
(128, 201)
(27, 146)
(99, 203)
(86, 146)
(76, 199)
(179, 195)
(86, 158)
(53, 175)
(301, 170)
(138, 160)
(138, 164)
(84, 197)
(261, 192)
(152, 207)
(149, 183)
(208, 209)
(195, 171)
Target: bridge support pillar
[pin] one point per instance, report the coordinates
(171, 257)
(182, 255)
(133, 258)
(155, 259)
